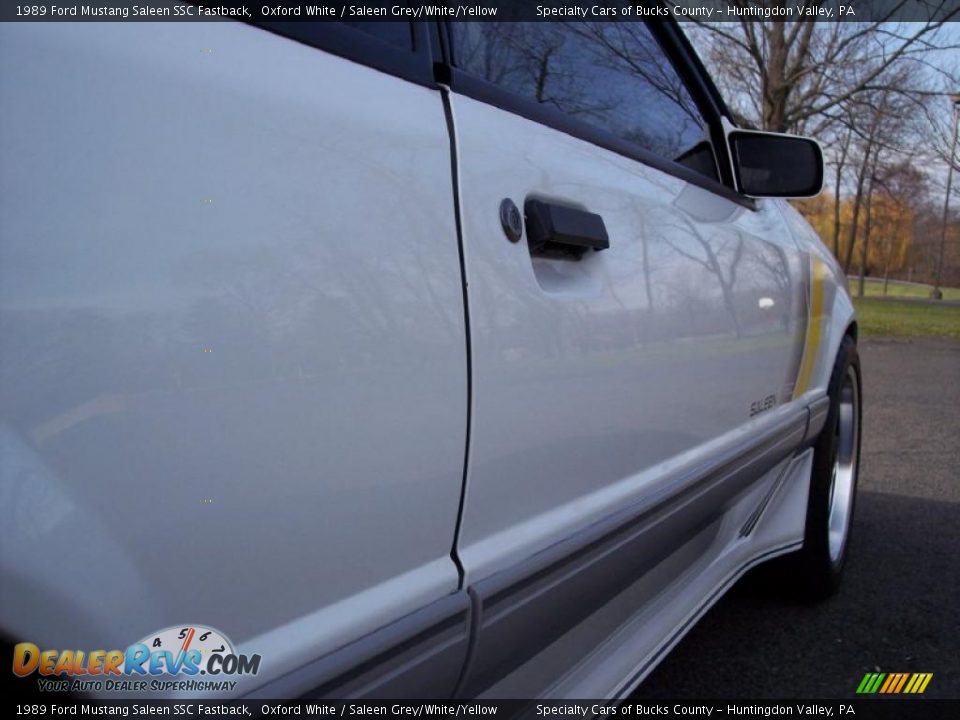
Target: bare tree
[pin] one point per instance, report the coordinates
(842, 151)
(896, 192)
(795, 76)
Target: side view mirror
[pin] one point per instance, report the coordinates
(775, 165)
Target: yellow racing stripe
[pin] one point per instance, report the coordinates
(811, 345)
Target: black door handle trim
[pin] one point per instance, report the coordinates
(560, 231)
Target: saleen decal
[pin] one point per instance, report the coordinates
(759, 406)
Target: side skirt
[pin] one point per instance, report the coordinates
(521, 610)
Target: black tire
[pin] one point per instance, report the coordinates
(815, 571)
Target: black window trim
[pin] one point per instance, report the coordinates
(698, 82)
(688, 61)
(415, 65)
(473, 87)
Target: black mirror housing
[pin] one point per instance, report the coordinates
(775, 165)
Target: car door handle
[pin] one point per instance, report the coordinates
(561, 231)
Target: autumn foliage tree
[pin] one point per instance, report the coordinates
(892, 217)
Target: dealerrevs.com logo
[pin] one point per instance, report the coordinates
(171, 660)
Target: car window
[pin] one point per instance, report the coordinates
(614, 76)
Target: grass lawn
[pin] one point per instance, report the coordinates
(906, 318)
(874, 288)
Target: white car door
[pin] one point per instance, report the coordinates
(233, 381)
(605, 381)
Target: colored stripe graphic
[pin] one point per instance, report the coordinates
(894, 683)
(811, 346)
(892, 680)
(901, 683)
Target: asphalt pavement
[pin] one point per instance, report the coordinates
(899, 607)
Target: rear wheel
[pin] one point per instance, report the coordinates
(816, 570)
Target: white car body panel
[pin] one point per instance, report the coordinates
(211, 348)
(593, 379)
(839, 315)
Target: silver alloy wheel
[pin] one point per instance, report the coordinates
(844, 466)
